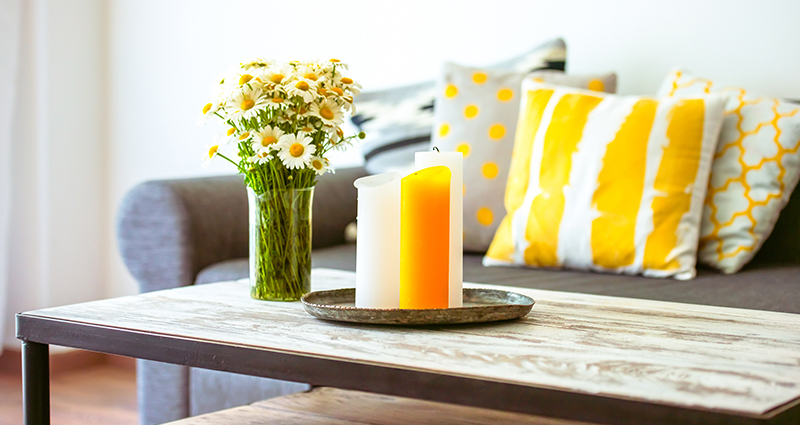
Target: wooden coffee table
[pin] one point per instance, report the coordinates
(580, 357)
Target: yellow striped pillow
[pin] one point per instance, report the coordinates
(607, 183)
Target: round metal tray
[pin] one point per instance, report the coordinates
(480, 305)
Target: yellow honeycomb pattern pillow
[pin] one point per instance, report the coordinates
(476, 114)
(756, 168)
(607, 183)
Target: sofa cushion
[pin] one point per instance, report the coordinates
(760, 286)
(756, 167)
(607, 183)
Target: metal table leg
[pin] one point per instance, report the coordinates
(36, 383)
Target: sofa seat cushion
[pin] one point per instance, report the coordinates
(760, 286)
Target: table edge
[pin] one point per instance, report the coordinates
(341, 373)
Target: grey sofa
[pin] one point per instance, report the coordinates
(182, 232)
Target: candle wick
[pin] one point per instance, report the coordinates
(435, 148)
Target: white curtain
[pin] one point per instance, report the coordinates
(10, 24)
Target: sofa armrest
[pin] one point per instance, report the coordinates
(169, 230)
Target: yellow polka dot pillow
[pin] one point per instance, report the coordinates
(607, 183)
(756, 168)
(476, 114)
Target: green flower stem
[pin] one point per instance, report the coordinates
(281, 244)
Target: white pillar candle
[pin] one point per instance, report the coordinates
(378, 241)
(454, 161)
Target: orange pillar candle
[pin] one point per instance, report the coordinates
(425, 238)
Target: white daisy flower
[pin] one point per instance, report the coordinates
(234, 79)
(276, 102)
(208, 111)
(245, 103)
(337, 140)
(295, 150)
(275, 96)
(247, 79)
(275, 74)
(349, 84)
(320, 165)
(347, 100)
(333, 73)
(244, 137)
(329, 112)
(260, 158)
(336, 62)
(230, 136)
(335, 133)
(310, 72)
(211, 152)
(307, 89)
(266, 139)
(348, 105)
(302, 111)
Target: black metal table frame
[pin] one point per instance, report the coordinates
(37, 333)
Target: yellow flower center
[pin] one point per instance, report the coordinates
(346, 80)
(307, 129)
(322, 91)
(302, 111)
(277, 100)
(317, 164)
(247, 104)
(213, 151)
(326, 113)
(206, 108)
(231, 131)
(296, 150)
(276, 78)
(339, 132)
(244, 135)
(245, 78)
(335, 60)
(338, 91)
(269, 140)
(311, 76)
(302, 85)
(259, 80)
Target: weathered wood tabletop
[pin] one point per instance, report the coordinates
(574, 356)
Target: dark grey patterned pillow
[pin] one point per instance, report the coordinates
(398, 121)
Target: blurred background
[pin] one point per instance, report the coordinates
(97, 96)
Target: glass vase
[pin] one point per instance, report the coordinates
(280, 244)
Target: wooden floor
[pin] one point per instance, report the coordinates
(97, 394)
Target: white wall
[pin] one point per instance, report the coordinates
(57, 241)
(123, 110)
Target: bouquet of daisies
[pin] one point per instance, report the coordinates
(282, 119)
